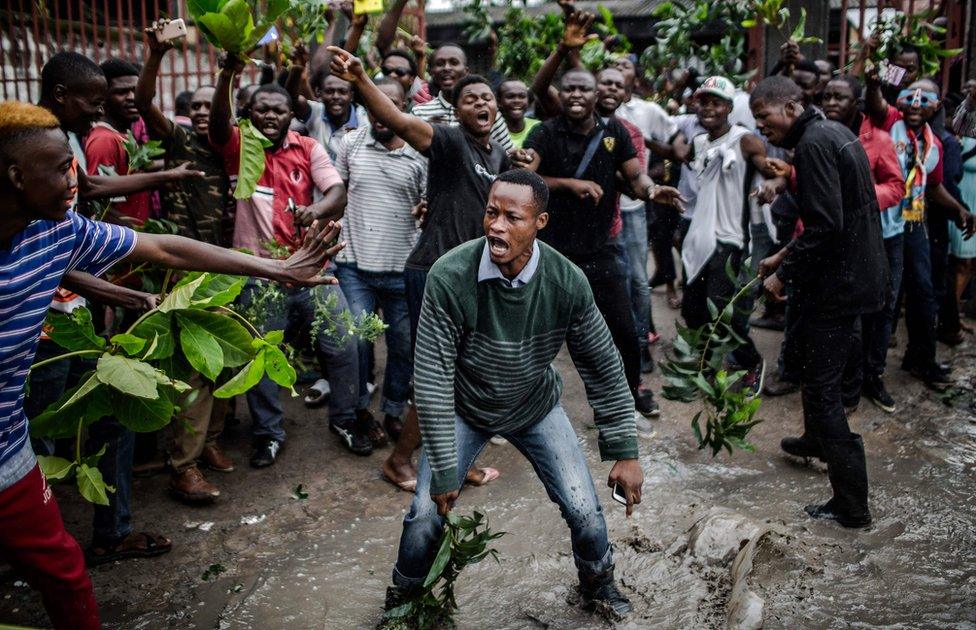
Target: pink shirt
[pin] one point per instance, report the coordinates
(296, 170)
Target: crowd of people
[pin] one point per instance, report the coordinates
(488, 222)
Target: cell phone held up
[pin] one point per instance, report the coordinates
(174, 29)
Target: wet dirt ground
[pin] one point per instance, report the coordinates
(325, 561)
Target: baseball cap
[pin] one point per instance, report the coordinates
(719, 86)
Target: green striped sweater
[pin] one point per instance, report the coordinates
(485, 352)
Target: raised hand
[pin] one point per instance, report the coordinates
(577, 25)
(345, 65)
(152, 36)
(304, 267)
(299, 54)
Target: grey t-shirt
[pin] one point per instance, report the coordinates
(460, 173)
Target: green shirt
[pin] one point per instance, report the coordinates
(519, 137)
(485, 352)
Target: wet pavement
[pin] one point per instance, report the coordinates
(716, 543)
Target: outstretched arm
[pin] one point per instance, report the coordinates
(322, 56)
(303, 267)
(296, 83)
(416, 132)
(644, 188)
(577, 24)
(386, 31)
(875, 105)
(105, 292)
(158, 125)
(221, 121)
(100, 186)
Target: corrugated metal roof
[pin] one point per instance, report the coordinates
(620, 8)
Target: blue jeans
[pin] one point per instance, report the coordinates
(877, 327)
(366, 291)
(921, 308)
(338, 359)
(414, 280)
(111, 523)
(553, 449)
(633, 239)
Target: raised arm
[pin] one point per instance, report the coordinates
(296, 82)
(221, 117)
(574, 36)
(158, 125)
(416, 132)
(875, 105)
(303, 267)
(357, 23)
(386, 31)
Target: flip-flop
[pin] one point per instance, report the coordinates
(156, 545)
(490, 474)
(407, 485)
(317, 393)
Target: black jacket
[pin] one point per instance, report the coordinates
(837, 265)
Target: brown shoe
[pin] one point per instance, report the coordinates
(191, 487)
(215, 459)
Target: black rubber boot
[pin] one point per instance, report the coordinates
(803, 446)
(847, 471)
(600, 592)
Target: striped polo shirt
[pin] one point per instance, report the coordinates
(439, 110)
(485, 350)
(382, 187)
(31, 267)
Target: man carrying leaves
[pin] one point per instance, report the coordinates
(495, 313)
(40, 241)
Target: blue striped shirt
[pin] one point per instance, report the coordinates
(30, 270)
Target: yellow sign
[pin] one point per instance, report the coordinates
(367, 6)
(609, 143)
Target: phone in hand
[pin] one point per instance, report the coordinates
(174, 29)
(618, 494)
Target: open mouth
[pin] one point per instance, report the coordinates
(497, 247)
(269, 129)
(484, 117)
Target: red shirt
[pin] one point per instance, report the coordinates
(889, 183)
(103, 147)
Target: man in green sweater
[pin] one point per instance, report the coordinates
(496, 311)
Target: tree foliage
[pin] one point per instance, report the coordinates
(897, 31)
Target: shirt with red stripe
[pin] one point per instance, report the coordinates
(103, 147)
(298, 170)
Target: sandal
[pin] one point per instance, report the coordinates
(155, 545)
(407, 485)
(367, 425)
(317, 393)
(489, 475)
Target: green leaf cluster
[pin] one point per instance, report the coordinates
(465, 541)
(141, 154)
(524, 42)
(695, 372)
(477, 20)
(252, 159)
(340, 325)
(677, 46)
(306, 20)
(899, 30)
(775, 14)
(236, 25)
(139, 376)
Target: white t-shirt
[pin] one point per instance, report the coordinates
(654, 124)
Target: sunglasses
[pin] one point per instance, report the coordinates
(400, 72)
(918, 98)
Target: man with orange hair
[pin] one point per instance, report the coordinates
(41, 240)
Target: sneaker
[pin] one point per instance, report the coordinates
(498, 440)
(646, 405)
(603, 594)
(645, 428)
(265, 453)
(355, 442)
(776, 386)
(647, 361)
(874, 390)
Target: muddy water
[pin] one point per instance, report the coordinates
(325, 562)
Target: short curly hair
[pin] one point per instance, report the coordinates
(20, 122)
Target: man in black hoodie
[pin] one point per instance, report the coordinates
(838, 271)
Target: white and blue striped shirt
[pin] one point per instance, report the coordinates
(31, 268)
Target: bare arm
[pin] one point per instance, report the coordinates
(416, 132)
(755, 151)
(303, 267)
(330, 208)
(875, 105)
(105, 292)
(296, 83)
(960, 216)
(644, 187)
(158, 125)
(221, 121)
(99, 186)
(542, 82)
(386, 30)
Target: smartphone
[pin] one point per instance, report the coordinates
(174, 29)
(618, 494)
(270, 36)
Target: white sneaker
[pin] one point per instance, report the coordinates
(645, 428)
(498, 440)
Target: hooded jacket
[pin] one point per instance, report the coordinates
(889, 183)
(837, 265)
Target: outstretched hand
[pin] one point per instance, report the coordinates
(304, 267)
(577, 25)
(346, 65)
(669, 196)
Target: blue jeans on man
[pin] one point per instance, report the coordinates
(633, 240)
(876, 328)
(367, 292)
(337, 355)
(921, 307)
(553, 448)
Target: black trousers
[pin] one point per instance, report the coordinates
(826, 348)
(608, 280)
(713, 283)
(663, 225)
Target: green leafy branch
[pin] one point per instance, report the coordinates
(140, 375)
(236, 26)
(695, 372)
(141, 154)
(899, 30)
(465, 541)
(775, 14)
(524, 42)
